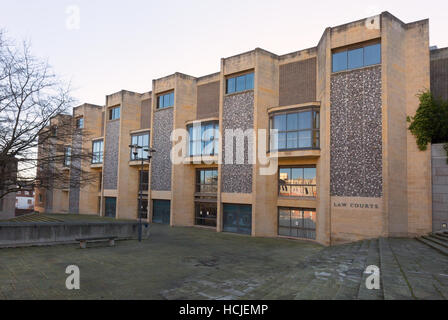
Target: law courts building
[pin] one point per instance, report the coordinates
(347, 167)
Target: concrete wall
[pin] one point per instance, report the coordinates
(14, 234)
(439, 188)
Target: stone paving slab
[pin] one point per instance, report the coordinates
(193, 263)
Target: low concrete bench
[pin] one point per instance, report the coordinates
(83, 241)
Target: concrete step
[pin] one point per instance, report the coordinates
(437, 239)
(434, 245)
(373, 258)
(394, 283)
(441, 234)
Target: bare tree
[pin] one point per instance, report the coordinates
(35, 125)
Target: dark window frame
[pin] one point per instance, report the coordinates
(145, 183)
(347, 60)
(315, 130)
(199, 184)
(304, 185)
(214, 140)
(161, 100)
(249, 82)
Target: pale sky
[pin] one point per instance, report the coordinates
(126, 44)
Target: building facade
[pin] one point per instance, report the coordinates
(345, 165)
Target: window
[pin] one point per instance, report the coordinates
(297, 182)
(40, 198)
(205, 214)
(114, 113)
(297, 222)
(142, 140)
(67, 156)
(143, 178)
(357, 58)
(80, 123)
(240, 83)
(203, 139)
(207, 180)
(29, 201)
(296, 130)
(97, 151)
(165, 100)
(143, 207)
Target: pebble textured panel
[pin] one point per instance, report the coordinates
(75, 168)
(238, 113)
(356, 133)
(111, 154)
(161, 162)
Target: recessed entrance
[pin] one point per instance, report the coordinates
(161, 211)
(237, 218)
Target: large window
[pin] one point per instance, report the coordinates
(165, 100)
(297, 182)
(240, 83)
(142, 140)
(207, 180)
(203, 139)
(97, 151)
(357, 58)
(297, 222)
(296, 130)
(67, 156)
(114, 113)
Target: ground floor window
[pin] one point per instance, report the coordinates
(143, 207)
(111, 207)
(237, 218)
(205, 214)
(161, 211)
(297, 222)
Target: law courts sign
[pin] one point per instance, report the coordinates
(357, 203)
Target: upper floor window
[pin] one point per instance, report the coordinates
(203, 139)
(240, 83)
(357, 58)
(296, 130)
(299, 181)
(165, 100)
(80, 123)
(114, 113)
(141, 140)
(67, 156)
(97, 151)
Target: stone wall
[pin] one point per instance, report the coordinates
(237, 114)
(439, 187)
(356, 133)
(111, 154)
(161, 162)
